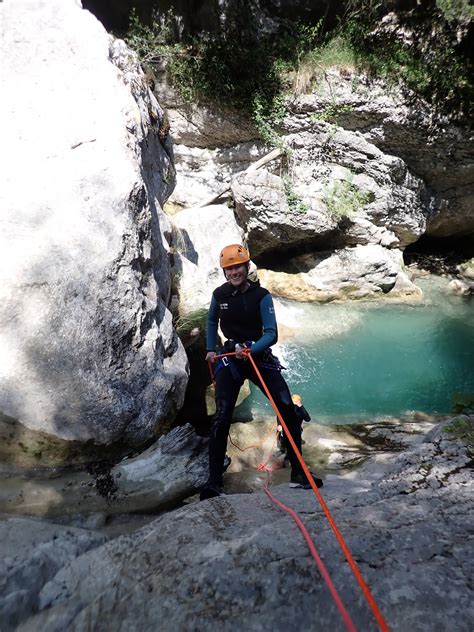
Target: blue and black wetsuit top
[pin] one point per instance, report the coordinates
(243, 316)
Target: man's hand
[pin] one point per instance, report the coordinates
(210, 356)
(241, 352)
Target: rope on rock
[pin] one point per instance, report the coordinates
(319, 563)
(345, 549)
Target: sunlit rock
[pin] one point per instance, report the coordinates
(202, 233)
(351, 273)
(461, 287)
(87, 347)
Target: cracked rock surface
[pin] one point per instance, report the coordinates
(238, 560)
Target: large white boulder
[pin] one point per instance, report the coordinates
(362, 272)
(350, 193)
(87, 347)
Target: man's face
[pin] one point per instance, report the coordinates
(236, 275)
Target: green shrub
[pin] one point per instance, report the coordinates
(331, 113)
(456, 10)
(294, 201)
(337, 52)
(238, 69)
(186, 323)
(152, 42)
(345, 199)
(424, 50)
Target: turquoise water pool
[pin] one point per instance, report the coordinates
(356, 362)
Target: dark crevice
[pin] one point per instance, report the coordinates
(279, 259)
(440, 255)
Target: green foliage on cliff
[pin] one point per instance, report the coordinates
(189, 325)
(462, 428)
(294, 201)
(345, 199)
(241, 69)
(425, 49)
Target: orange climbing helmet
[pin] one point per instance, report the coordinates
(233, 255)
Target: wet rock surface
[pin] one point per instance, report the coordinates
(407, 518)
(167, 472)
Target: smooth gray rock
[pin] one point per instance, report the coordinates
(363, 271)
(263, 211)
(239, 560)
(89, 352)
(31, 553)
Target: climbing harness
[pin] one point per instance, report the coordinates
(345, 549)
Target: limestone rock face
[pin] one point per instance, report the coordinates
(201, 172)
(210, 144)
(200, 126)
(267, 218)
(405, 517)
(438, 155)
(362, 168)
(88, 350)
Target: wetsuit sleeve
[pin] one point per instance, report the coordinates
(270, 331)
(212, 324)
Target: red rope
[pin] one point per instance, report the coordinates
(260, 466)
(355, 569)
(319, 563)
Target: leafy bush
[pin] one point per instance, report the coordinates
(294, 201)
(345, 199)
(240, 69)
(461, 428)
(456, 10)
(425, 49)
(193, 322)
(336, 52)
